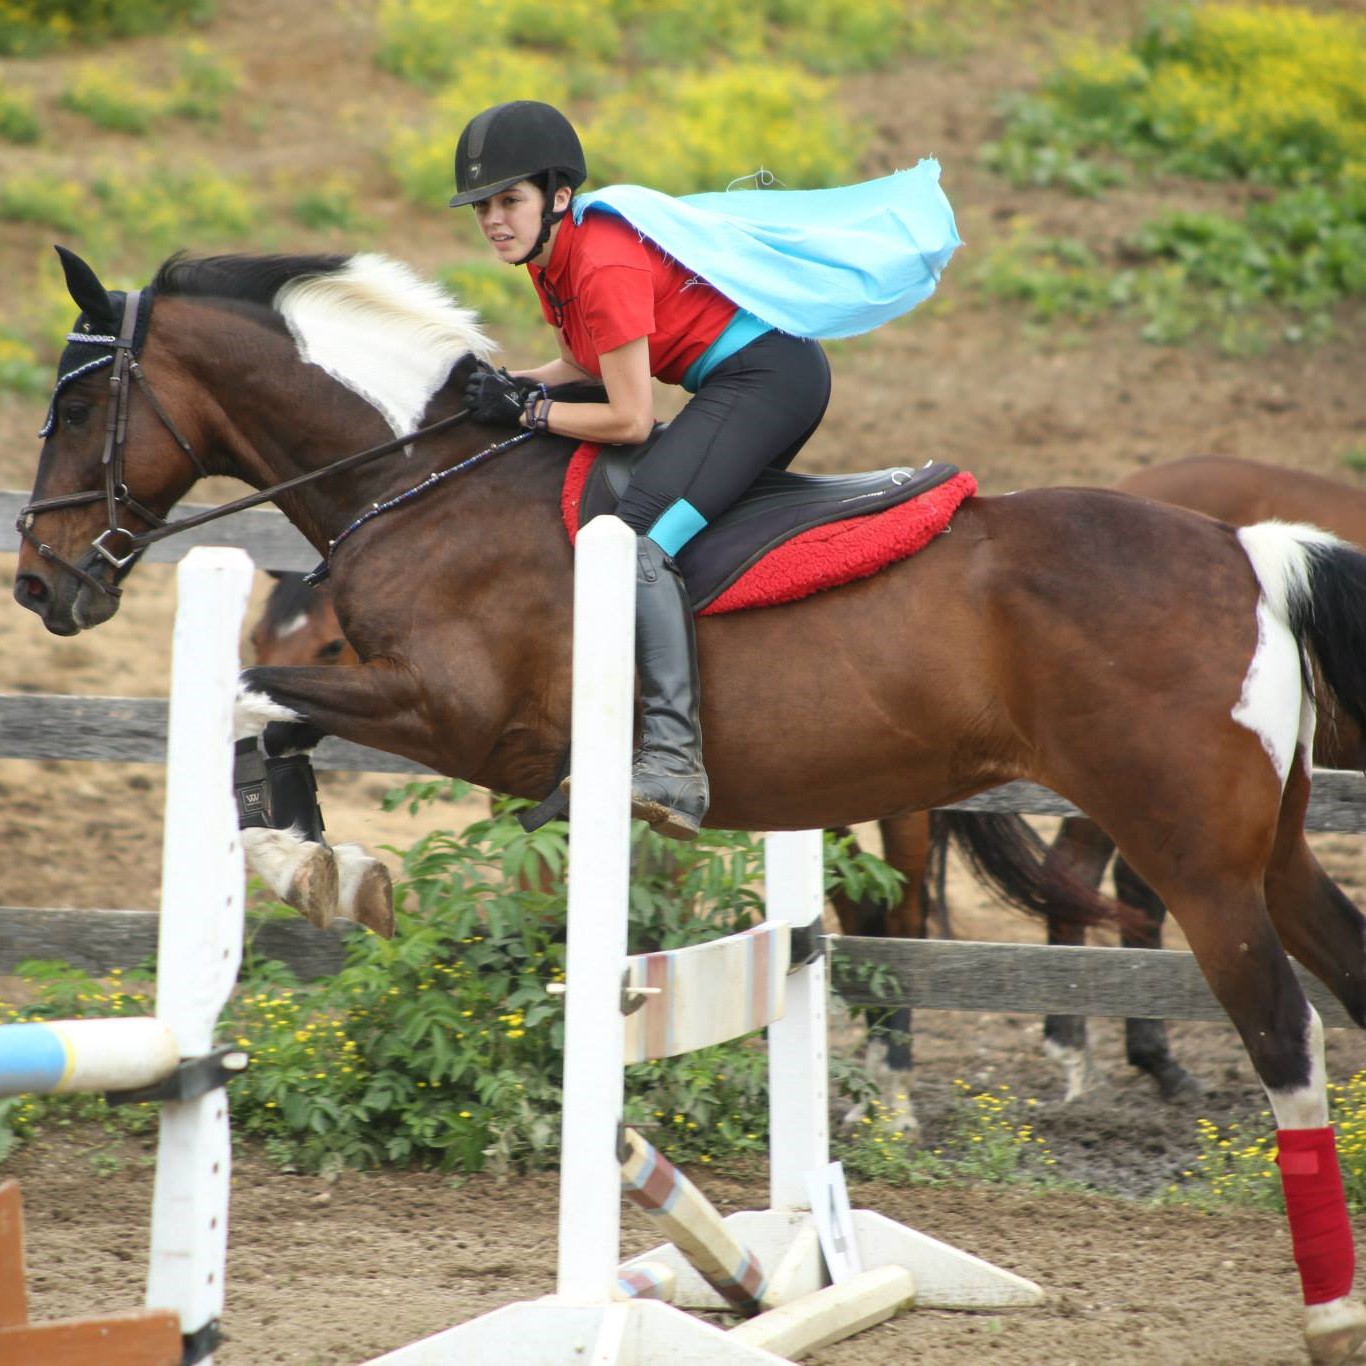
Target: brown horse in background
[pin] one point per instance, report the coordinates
(1239, 492)
(1151, 665)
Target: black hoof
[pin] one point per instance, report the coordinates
(1176, 1086)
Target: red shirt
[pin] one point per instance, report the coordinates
(614, 286)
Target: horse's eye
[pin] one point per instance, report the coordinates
(75, 412)
(332, 649)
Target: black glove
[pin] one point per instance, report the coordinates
(496, 398)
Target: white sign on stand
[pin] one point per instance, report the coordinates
(834, 1221)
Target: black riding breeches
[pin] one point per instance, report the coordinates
(756, 410)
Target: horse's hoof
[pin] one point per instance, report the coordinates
(1079, 1073)
(1178, 1087)
(314, 886)
(1334, 1331)
(367, 890)
(374, 902)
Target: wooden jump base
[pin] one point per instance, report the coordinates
(673, 1003)
(171, 1057)
(137, 1337)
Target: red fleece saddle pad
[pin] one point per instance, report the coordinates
(819, 557)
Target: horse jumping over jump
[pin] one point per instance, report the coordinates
(1153, 666)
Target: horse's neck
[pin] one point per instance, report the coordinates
(282, 417)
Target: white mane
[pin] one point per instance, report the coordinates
(385, 334)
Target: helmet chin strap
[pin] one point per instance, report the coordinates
(549, 218)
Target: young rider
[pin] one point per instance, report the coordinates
(625, 310)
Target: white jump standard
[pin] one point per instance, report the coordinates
(587, 1319)
(171, 1057)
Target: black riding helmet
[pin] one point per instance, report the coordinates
(513, 142)
(521, 140)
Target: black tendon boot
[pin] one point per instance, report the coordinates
(668, 782)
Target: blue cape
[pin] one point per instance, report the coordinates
(813, 263)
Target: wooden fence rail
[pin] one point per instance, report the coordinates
(927, 974)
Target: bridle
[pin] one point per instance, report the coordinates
(115, 493)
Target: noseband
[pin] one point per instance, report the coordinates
(115, 493)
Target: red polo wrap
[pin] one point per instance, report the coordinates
(1314, 1203)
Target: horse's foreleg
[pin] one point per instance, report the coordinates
(1147, 1045)
(1084, 849)
(281, 717)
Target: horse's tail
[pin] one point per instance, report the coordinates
(1009, 856)
(1314, 585)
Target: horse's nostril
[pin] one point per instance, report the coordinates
(32, 586)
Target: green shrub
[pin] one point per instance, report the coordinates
(30, 27)
(203, 83)
(503, 297)
(442, 1046)
(1269, 93)
(164, 209)
(20, 370)
(422, 158)
(329, 205)
(18, 119)
(693, 131)
(46, 201)
(111, 99)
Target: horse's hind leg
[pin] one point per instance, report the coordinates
(1248, 970)
(1147, 1046)
(1084, 849)
(888, 1058)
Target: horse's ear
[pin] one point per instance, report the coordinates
(84, 285)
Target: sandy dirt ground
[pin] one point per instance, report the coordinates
(333, 1273)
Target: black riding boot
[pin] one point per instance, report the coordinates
(668, 782)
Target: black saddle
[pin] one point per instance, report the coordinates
(778, 505)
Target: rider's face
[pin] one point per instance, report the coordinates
(511, 221)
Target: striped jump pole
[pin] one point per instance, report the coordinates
(171, 1057)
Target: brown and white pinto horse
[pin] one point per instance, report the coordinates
(1152, 665)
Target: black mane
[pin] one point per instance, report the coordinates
(251, 279)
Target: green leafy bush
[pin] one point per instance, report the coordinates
(1259, 92)
(112, 99)
(696, 131)
(30, 27)
(442, 1046)
(18, 118)
(20, 371)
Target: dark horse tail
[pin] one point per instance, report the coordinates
(1008, 855)
(1320, 595)
(1315, 586)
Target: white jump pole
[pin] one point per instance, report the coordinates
(199, 946)
(798, 1056)
(599, 890)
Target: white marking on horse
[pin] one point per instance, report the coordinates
(292, 627)
(253, 711)
(1305, 1107)
(1273, 704)
(1077, 1067)
(385, 334)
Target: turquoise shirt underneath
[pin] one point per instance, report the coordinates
(738, 332)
